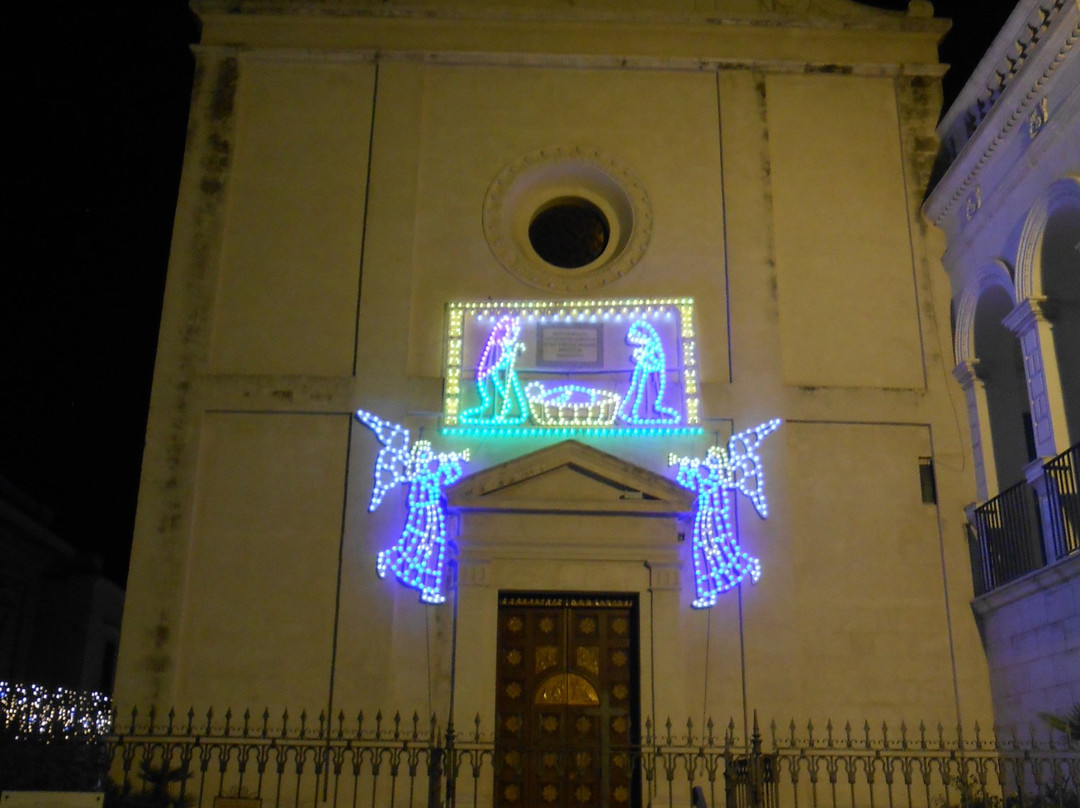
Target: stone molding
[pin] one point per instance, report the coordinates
(1041, 580)
(993, 274)
(1008, 106)
(554, 172)
(1029, 276)
(644, 491)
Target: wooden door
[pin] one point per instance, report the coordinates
(567, 701)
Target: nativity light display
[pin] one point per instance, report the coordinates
(564, 368)
(720, 563)
(418, 558)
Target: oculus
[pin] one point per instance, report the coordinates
(567, 219)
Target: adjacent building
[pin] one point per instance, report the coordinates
(1008, 199)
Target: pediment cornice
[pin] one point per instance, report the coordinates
(569, 477)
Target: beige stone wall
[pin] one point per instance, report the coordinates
(332, 205)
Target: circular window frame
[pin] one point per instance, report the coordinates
(539, 179)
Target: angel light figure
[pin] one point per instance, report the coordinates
(417, 558)
(719, 563)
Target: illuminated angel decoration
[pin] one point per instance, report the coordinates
(719, 563)
(418, 558)
(644, 401)
(502, 399)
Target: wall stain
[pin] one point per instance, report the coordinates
(186, 315)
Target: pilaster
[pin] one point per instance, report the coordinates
(978, 414)
(1030, 324)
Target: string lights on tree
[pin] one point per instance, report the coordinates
(53, 713)
(719, 562)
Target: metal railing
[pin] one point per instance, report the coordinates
(251, 762)
(1008, 538)
(1013, 535)
(1063, 498)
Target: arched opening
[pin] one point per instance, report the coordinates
(1060, 259)
(1001, 368)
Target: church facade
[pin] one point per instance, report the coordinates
(593, 354)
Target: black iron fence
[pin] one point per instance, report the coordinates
(1013, 535)
(365, 762)
(1063, 497)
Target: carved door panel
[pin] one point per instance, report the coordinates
(567, 701)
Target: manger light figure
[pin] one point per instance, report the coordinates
(719, 563)
(418, 558)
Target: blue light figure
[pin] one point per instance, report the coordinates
(719, 563)
(644, 401)
(418, 558)
(502, 399)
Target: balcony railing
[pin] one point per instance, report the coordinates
(1013, 535)
(1063, 497)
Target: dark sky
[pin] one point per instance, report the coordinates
(102, 94)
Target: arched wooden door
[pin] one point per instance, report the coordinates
(567, 701)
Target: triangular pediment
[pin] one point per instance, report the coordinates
(569, 477)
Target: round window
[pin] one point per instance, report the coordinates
(569, 233)
(567, 218)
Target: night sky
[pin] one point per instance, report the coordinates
(101, 94)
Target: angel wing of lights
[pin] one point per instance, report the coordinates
(747, 474)
(390, 466)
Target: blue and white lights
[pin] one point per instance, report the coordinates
(572, 367)
(502, 400)
(719, 563)
(418, 558)
(644, 402)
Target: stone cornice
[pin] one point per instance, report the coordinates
(837, 40)
(803, 13)
(1007, 106)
